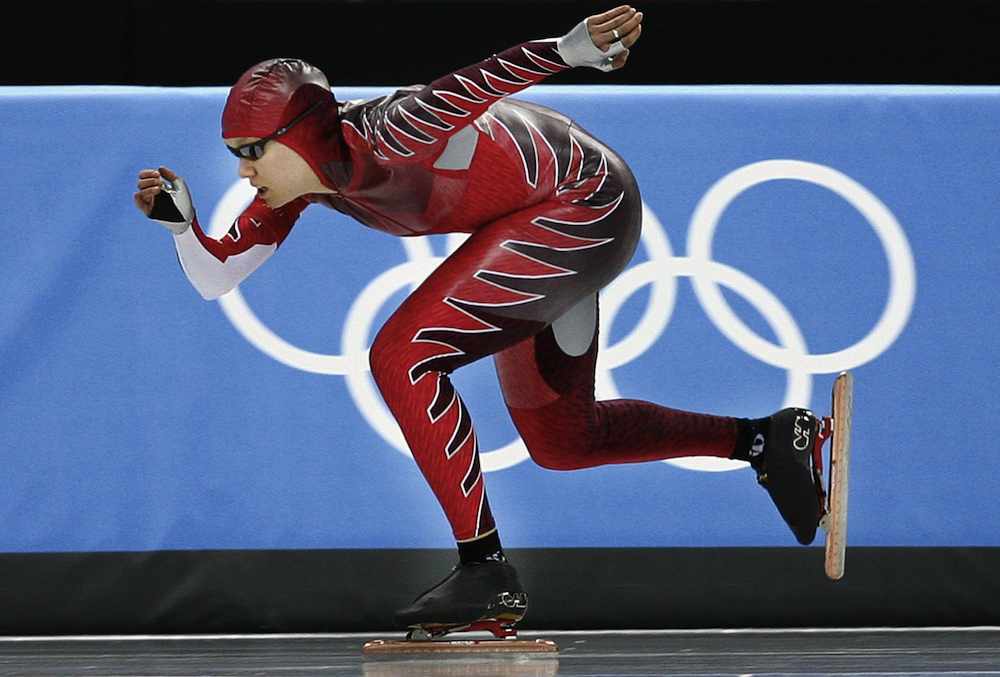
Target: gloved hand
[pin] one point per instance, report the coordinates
(164, 197)
(602, 41)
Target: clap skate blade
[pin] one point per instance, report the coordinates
(501, 616)
(499, 619)
(833, 501)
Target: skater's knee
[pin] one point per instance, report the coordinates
(554, 456)
(383, 358)
(553, 440)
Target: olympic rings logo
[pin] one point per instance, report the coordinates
(660, 272)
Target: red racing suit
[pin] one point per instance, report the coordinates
(554, 215)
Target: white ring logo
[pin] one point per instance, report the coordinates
(660, 271)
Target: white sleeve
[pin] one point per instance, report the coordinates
(211, 277)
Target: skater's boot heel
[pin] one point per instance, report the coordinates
(509, 607)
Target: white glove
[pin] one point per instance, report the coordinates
(578, 49)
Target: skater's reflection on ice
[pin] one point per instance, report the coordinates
(438, 666)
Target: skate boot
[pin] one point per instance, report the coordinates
(782, 455)
(474, 596)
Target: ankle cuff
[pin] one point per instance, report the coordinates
(483, 549)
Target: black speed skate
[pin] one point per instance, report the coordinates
(474, 596)
(781, 453)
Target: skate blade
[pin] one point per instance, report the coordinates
(501, 615)
(389, 647)
(500, 626)
(834, 522)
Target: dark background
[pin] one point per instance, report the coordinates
(392, 42)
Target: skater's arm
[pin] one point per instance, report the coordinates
(215, 267)
(413, 127)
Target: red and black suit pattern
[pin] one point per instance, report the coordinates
(554, 215)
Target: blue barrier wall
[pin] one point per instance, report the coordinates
(847, 227)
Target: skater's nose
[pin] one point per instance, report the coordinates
(246, 168)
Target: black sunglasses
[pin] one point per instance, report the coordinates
(253, 151)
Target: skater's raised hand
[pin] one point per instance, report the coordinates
(149, 187)
(621, 24)
(603, 40)
(163, 196)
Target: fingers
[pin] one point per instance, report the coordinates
(609, 15)
(624, 24)
(620, 60)
(149, 187)
(149, 183)
(625, 19)
(633, 35)
(145, 205)
(147, 195)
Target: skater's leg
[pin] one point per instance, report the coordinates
(506, 283)
(548, 385)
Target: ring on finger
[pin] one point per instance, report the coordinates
(614, 32)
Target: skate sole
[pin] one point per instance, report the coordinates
(835, 521)
(390, 647)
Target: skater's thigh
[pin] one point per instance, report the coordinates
(557, 364)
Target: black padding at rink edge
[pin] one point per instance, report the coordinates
(254, 591)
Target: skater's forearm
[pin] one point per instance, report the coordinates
(215, 267)
(412, 127)
(415, 126)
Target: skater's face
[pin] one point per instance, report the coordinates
(280, 174)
